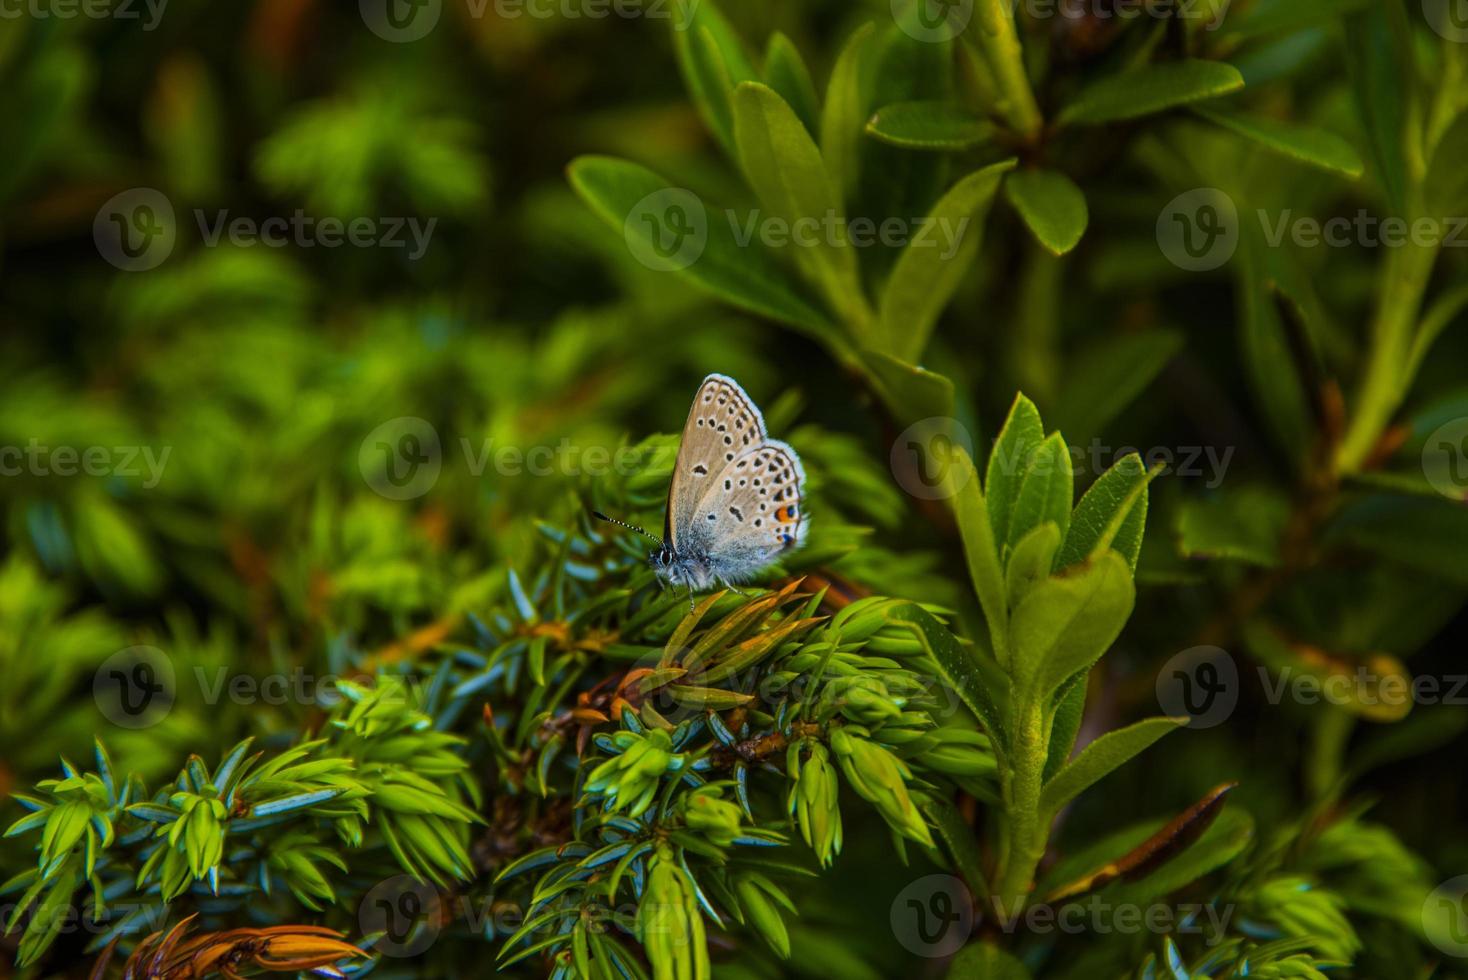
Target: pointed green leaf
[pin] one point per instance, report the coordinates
(929, 126)
(1067, 622)
(1445, 189)
(928, 271)
(848, 94)
(962, 669)
(1021, 436)
(1154, 88)
(1308, 144)
(783, 165)
(1114, 492)
(1051, 205)
(1046, 492)
(1101, 758)
(712, 59)
(786, 73)
(911, 393)
(970, 510)
(1031, 560)
(748, 277)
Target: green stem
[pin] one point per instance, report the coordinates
(1028, 832)
(1385, 383)
(1000, 43)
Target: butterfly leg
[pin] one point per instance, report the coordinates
(690, 598)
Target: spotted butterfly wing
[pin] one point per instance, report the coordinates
(722, 423)
(752, 513)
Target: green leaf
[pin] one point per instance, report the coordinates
(783, 165)
(1269, 358)
(980, 961)
(1154, 88)
(1308, 144)
(911, 393)
(1046, 492)
(970, 510)
(848, 93)
(748, 277)
(929, 126)
(1374, 686)
(1119, 494)
(963, 845)
(960, 668)
(1225, 840)
(1279, 18)
(1378, 54)
(926, 273)
(1069, 621)
(1445, 189)
(1051, 205)
(1102, 757)
(1070, 711)
(786, 73)
(1021, 436)
(713, 60)
(1031, 560)
(1105, 378)
(1245, 524)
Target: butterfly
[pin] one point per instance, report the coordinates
(736, 500)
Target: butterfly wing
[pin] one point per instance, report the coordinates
(722, 423)
(752, 512)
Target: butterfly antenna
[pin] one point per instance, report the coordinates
(631, 527)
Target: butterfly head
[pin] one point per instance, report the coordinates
(661, 558)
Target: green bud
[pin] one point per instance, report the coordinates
(715, 818)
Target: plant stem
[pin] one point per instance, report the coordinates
(1000, 43)
(1027, 834)
(1385, 383)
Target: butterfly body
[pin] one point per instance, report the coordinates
(735, 501)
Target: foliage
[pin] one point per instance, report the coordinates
(341, 514)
